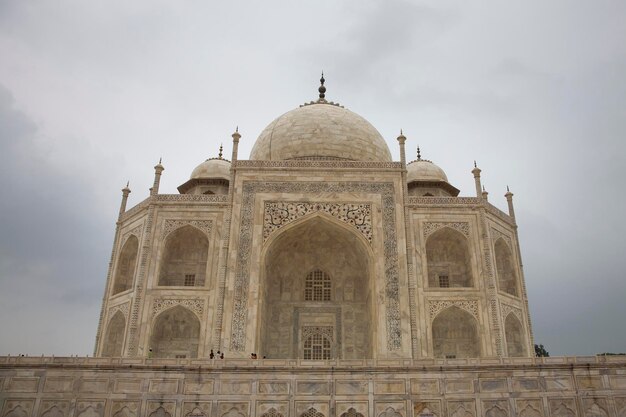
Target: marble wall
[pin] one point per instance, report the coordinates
(100, 387)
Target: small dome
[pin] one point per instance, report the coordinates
(212, 168)
(424, 170)
(320, 130)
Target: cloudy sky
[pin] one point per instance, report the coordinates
(93, 93)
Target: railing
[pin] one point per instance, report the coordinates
(557, 361)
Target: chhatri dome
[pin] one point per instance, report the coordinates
(321, 130)
(210, 177)
(427, 179)
(212, 168)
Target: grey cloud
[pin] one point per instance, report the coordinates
(50, 264)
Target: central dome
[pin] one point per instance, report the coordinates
(320, 130)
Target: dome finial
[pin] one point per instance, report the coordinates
(419, 154)
(475, 164)
(219, 155)
(322, 89)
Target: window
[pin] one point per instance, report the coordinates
(317, 346)
(444, 281)
(190, 280)
(450, 356)
(317, 286)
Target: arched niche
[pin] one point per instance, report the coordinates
(114, 338)
(125, 271)
(175, 334)
(337, 261)
(455, 334)
(514, 333)
(184, 258)
(448, 259)
(507, 279)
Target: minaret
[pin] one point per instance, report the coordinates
(401, 141)
(476, 172)
(485, 194)
(125, 192)
(509, 200)
(158, 169)
(236, 136)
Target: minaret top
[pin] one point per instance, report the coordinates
(322, 89)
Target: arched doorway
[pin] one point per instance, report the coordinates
(515, 340)
(175, 334)
(448, 259)
(184, 258)
(455, 334)
(507, 279)
(125, 271)
(114, 340)
(316, 293)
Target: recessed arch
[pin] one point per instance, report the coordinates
(316, 242)
(455, 334)
(448, 259)
(175, 334)
(114, 337)
(514, 333)
(505, 267)
(184, 258)
(127, 261)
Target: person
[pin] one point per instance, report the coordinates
(222, 355)
(211, 355)
(150, 353)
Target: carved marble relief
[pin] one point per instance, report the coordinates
(436, 306)
(278, 214)
(432, 227)
(169, 225)
(134, 231)
(194, 304)
(120, 307)
(507, 309)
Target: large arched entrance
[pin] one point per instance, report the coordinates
(316, 293)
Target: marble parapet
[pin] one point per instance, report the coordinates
(492, 387)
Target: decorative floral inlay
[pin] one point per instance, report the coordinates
(435, 307)
(432, 227)
(194, 304)
(120, 307)
(506, 309)
(171, 225)
(134, 231)
(278, 214)
(496, 234)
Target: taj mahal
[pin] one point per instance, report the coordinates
(317, 278)
(319, 246)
